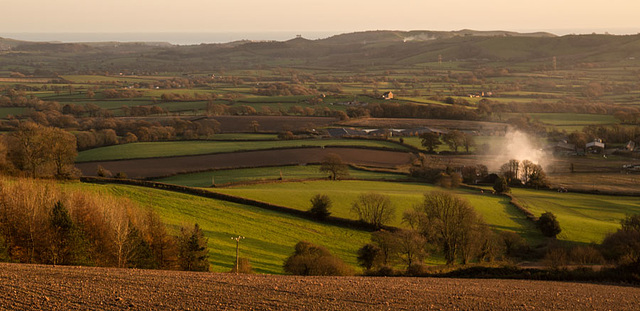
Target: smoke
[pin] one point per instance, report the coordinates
(518, 146)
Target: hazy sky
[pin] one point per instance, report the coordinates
(617, 16)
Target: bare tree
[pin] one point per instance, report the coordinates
(447, 220)
(373, 208)
(333, 165)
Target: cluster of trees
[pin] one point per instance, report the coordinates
(614, 134)
(411, 110)
(282, 89)
(40, 223)
(524, 172)
(122, 93)
(38, 151)
(443, 222)
(565, 105)
(454, 139)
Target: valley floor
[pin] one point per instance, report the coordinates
(38, 287)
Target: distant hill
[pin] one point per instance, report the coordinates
(374, 49)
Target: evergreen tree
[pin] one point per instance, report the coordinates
(66, 244)
(193, 251)
(141, 255)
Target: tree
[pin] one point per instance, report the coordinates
(369, 256)
(446, 220)
(373, 208)
(311, 259)
(65, 239)
(454, 139)
(468, 141)
(624, 244)
(332, 164)
(254, 125)
(320, 205)
(430, 141)
(548, 225)
(501, 185)
(411, 246)
(42, 151)
(193, 251)
(537, 177)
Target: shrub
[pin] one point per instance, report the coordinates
(548, 225)
(103, 172)
(417, 269)
(244, 266)
(311, 259)
(584, 255)
(369, 256)
(320, 205)
(121, 175)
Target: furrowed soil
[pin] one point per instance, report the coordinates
(154, 167)
(38, 287)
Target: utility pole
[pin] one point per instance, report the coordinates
(238, 238)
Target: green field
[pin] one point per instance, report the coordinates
(269, 236)
(583, 218)
(404, 195)
(573, 118)
(204, 179)
(416, 142)
(181, 148)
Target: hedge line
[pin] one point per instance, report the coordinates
(341, 222)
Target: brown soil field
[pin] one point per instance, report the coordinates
(38, 287)
(435, 123)
(235, 124)
(155, 167)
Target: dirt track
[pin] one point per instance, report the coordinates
(37, 287)
(142, 168)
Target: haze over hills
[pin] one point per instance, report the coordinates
(371, 48)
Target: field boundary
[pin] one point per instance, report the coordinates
(251, 150)
(331, 220)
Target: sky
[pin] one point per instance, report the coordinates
(339, 16)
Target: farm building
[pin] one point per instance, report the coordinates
(595, 146)
(387, 95)
(339, 132)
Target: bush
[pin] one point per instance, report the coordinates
(103, 172)
(417, 269)
(121, 175)
(585, 255)
(311, 259)
(244, 266)
(320, 205)
(548, 225)
(501, 185)
(369, 256)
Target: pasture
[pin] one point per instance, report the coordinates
(496, 210)
(269, 236)
(584, 218)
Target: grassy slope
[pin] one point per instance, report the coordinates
(583, 217)
(177, 148)
(204, 179)
(495, 210)
(269, 236)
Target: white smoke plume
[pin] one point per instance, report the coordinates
(518, 146)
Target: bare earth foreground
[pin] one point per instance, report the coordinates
(67, 288)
